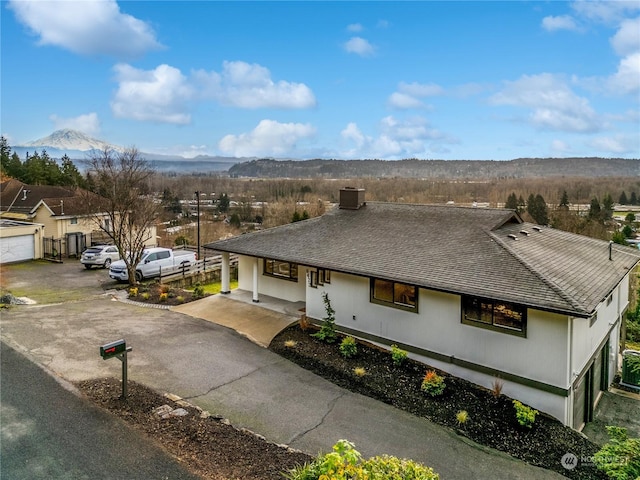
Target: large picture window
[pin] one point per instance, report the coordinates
(394, 294)
(501, 316)
(285, 270)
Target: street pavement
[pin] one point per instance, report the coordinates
(223, 372)
(49, 432)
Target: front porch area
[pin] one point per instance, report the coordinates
(259, 322)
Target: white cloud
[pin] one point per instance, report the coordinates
(247, 85)
(627, 78)
(88, 124)
(626, 41)
(403, 101)
(269, 138)
(552, 103)
(159, 95)
(409, 94)
(355, 27)
(383, 24)
(397, 139)
(560, 147)
(605, 11)
(359, 46)
(617, 145)
(561, 22)
(86, 27)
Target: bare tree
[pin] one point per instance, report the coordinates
(122, 208)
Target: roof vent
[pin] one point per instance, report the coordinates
(537, 229)
(352, 198)
(524, 232)
(512, 236)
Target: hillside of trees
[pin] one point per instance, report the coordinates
(450, 169)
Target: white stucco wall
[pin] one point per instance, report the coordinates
(438, 328)
(292, 291)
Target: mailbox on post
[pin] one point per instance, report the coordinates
(119, 350)
(112, 349)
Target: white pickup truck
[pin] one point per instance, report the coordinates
(151, 263)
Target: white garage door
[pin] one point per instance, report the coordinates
(16, 249)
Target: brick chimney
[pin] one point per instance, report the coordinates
(352, 198)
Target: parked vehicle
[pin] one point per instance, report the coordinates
(100, 256)
(153, 261)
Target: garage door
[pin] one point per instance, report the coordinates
(16, 249)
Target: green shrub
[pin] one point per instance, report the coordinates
(145, 296)
(633, 362)
(433, 384)
(398, 356)
(619, 458)
(348, 347)
(525, 415)
(180, 299)
(462, 416)
(198, 291)
(346, 463)
(327, 332)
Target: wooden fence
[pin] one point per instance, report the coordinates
(198, 268)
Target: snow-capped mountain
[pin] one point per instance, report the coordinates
(70, 140)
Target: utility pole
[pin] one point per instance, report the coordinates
(198, 213)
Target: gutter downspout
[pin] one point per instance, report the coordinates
(571, 376)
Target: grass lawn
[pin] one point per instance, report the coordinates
(213, 288)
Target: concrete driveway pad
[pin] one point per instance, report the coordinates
(258, 324)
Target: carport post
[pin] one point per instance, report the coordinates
(255, 280)
(224, 274)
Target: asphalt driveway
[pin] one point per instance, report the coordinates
(225, 373)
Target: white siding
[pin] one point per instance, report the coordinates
(437, 327)
(292, 291)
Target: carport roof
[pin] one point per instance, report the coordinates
(474, 251)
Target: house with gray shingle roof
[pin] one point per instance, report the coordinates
(62, 212)
(475, 292)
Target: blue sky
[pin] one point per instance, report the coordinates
(387, 80)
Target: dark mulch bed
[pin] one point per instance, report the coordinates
(491, 421)
(152, 293)
(206, 446)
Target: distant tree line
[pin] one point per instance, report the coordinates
(39, 168)
(596, 222)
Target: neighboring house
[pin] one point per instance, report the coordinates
(60, 210)
(20, 241)
(475, 292)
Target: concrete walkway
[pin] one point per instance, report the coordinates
(259, 322)
(222, 372)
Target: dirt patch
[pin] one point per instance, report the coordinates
(209, 447)
(491, 419)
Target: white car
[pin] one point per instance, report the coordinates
(100, 255)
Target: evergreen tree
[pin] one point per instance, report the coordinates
(296, 217)
(537, 208)
(623, 198)
(633, 200)
(223, 203)
(512, 202)
(5, 155)
(70, 175)
(564, 201)
(595, 212)
(521, 204)
(607, 207)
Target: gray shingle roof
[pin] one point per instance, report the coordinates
(453, 249)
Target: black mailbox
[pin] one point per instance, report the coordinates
(112, 349)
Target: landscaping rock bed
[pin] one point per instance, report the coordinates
(491, 419)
